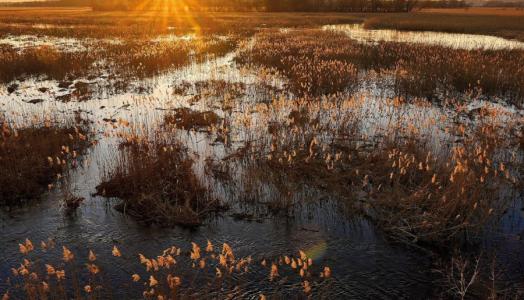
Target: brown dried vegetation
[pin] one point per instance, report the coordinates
(332, 65)
(157, 184)
(33, 158)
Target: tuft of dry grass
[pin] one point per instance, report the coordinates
(33, 158)
(322, 62)
(157, 184)
(43, 60)
(188, 119)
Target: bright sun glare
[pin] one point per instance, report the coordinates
(176, 11)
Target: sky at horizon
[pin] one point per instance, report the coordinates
(11, 1)
(14, 1)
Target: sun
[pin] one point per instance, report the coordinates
(169, 12)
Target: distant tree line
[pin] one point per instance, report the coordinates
(275, 5)
(102, 5)
(341, 5)
(50, 3)
(496, 3)
(442, 4)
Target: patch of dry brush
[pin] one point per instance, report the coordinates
(126, 58)
(33, 158)
(417, 191)
(320, 62)
(157, 184)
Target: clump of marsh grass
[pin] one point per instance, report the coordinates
(157, 184)
(127, 58)
(311, 68)
(33, 158)
(145, 58)
(320, 62)
(188, 119)
(504, 26)
(418, 192)
(215, 46)
(44, 60)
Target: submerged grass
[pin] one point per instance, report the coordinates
(210, 271)
(188, 119)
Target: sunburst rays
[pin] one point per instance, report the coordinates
(169, 13)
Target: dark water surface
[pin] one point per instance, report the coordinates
(364, 263)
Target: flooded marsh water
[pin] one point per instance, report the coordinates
(453, 40)
(312, 216)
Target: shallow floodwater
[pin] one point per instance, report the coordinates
(27, 41)
(453, 40)
(363, 261)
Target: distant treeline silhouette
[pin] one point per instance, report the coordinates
(497, 3)
(276, 5)
(261, 5)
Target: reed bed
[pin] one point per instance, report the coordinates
(382, 159)
(125, 58)
(140, 24)
(33, 158)
(323, 62)
(431, 176)
(44, 60)
(155, 180)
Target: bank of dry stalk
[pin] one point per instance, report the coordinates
(155, 180)
(126, 58)
(83, 23)
(33, 158)
(424, 178)
(318, 62)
